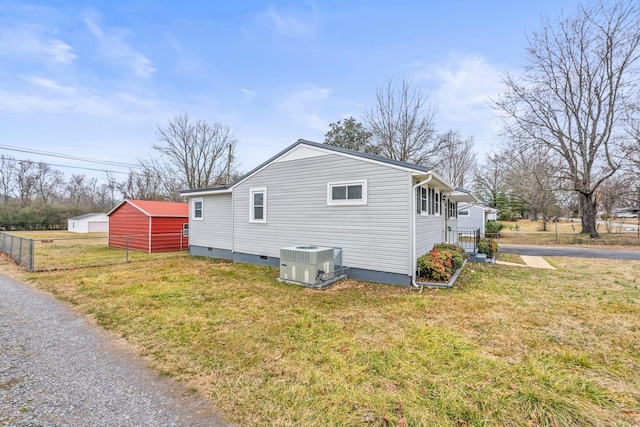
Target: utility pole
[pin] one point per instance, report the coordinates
(228, 166)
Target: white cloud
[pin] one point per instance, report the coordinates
(290, 23)
(247, 96)
(30, 41)
(115, 47)
(302, 105)
(465, 85)
(49, 84)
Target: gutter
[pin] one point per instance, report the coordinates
(413, 246)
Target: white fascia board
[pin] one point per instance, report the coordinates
(206, 193)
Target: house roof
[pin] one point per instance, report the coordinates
(373, 157)
(157, 208)
(84, 216)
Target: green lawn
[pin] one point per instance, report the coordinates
(508, 346)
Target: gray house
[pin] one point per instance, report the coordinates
(475, 216)
(382, 213)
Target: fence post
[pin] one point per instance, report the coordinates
(31, 256)
(126, 251)
(20, 251)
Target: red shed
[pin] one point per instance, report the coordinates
(149, 226)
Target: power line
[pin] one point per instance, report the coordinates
(69, 157)
(11, 159)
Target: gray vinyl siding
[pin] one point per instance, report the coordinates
(373, 236)
(429, 231)
(215, 229)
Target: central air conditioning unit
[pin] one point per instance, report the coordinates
(309, 265)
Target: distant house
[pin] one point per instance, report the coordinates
(149, 226)
(89, 223)
(382, 213)
(475, 216)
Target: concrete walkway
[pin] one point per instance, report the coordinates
(530, 261)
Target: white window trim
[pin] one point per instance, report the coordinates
(193, 212)
(253, 191)
(431, 203)
(347, 202)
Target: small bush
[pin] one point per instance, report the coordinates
(493, 228)
(441, 262)
(488, 246)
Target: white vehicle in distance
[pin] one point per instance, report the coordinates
(627, 215)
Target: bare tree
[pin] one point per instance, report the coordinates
(48, 182)
(457, 158)
(7, 175)
(25, 182)
(195, 152)
(531, 174)
(577, 95)
(402, 123)
(610, 195)
(142, 185)
(490, 182)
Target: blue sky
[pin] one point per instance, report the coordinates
(95, 79)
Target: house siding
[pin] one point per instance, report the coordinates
(475, 219)
(216, 227)
(429, 231)
(373, 236)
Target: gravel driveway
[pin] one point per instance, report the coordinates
(56, 369)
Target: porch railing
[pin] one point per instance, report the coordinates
(466, 238)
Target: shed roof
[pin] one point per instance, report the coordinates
(84, 216)
(155, 208)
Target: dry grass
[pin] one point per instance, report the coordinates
(526, 232)
(507, 346)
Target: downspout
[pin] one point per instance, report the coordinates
(413, 248)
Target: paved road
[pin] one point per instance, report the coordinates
(574, 252)
(56, 369)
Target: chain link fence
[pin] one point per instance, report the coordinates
(40, 253)
(18, 249)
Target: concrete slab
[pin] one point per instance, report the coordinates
(536, 262)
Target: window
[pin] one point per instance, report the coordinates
(258, 208)
(424, 199)
(429, 201)
(197, 211)
(185, 230)
(347, 193)
(453, 209)
(463, 213)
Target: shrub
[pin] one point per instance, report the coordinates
(493, 228)
(488, 246)
(441, 262)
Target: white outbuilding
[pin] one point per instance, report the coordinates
(89, 223)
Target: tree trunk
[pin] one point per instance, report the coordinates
(588, 204)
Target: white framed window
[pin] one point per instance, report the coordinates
(347, 193)
(453, 209)
(258, 205)
(463, 213)
(197, 209)
(430, 200)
